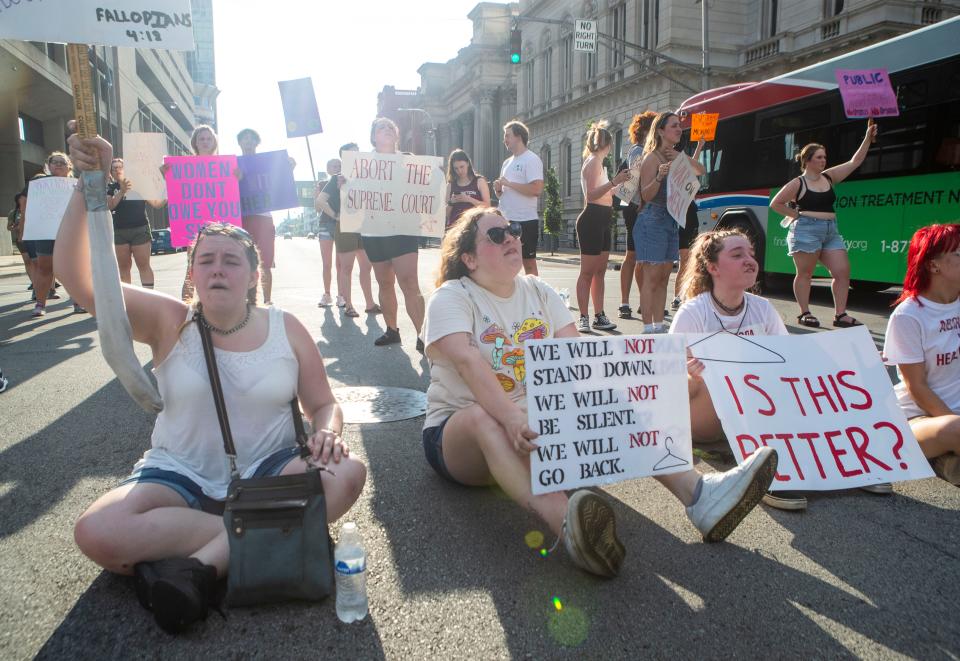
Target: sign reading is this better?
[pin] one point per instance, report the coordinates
(606, 409)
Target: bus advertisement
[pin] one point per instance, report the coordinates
(910, 178)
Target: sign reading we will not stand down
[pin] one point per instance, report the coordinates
(606, 409)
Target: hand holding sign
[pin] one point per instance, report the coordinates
(703, 126)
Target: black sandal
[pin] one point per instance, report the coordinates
(807, 319)
(849, 322)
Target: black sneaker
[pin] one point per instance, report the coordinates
(420, 346)
(785, 500)
(601, 322)
(180, 591)
(391, 336)
(77, 309)
(624, 312)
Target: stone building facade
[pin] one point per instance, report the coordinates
(651, 58)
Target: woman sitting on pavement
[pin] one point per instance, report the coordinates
(476, 430)
(163, 522)
(721, 270)
(921, 340)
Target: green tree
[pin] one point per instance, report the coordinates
(553, 209)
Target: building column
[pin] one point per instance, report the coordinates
(11, 160)
(488, 133)
(468, 134)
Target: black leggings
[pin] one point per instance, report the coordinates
(593, 229)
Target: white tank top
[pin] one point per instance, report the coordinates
(601, 179)
(257, 388)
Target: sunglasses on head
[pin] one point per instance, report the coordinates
(224, 228)
(498, 234)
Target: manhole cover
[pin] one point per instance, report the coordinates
(380, 403)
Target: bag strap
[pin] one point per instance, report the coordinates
(206, 339)
(801, 190)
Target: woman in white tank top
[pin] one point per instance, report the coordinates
(161, 523)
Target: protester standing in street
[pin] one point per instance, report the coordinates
(656, 234)
(813, 236)
(204, 142)
(394, 258)
(260, 226)
(41, 251)
(465, 188)
(519, 187)
(326, 231)
(639, 128)
(132, 240)
(921, 340)
(15, 226)
(594, 226)
(349, 247)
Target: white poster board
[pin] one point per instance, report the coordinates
(682, 187)
(142, 157)
(47, 199)
(607, 409)
(165, 24)
(393, 194)
(824, 401)
(585, 35)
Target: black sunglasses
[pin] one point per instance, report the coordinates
(498, 234)
(57, 161)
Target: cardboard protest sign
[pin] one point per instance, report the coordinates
(682, 187)
(267, 183)
(200, 190)
(142, 155)
(47, 199)
(823, 401)
(867, 93)
(300, 107)
(606, 409)
(393, 194)
(165, 24)
(703, 125)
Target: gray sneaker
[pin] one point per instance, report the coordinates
(601, 322)
(590, 535)
(726, 498)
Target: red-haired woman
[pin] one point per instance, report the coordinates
(922, 341)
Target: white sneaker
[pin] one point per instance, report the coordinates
(341, 301)
(590, 535)
(880, 488)
(583, 325)
(325, 301)
(726, 498)
(3, 382)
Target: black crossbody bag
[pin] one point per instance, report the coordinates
(280, 546)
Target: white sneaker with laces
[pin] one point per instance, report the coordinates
(590, 535)
(583, 325)
(726, 498)
(325, 301)
(341, 302)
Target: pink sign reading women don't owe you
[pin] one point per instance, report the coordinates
(200, 190)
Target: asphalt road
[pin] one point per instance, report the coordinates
(450, 574)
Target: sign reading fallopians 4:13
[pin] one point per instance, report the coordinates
(163, 24)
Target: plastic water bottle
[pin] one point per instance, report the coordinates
(350, 562)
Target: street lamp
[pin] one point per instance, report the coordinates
(432, 131)
(168, 106)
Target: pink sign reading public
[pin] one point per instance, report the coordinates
(200, 190)
(867, 93)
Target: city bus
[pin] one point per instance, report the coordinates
(910, 178)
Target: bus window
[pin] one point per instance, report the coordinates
(790, 121)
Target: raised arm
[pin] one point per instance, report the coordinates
(150, 313)
(462, 350)
(840, 172)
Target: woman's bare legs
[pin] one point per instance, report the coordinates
(804, 262)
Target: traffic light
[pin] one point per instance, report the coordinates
(515, 46)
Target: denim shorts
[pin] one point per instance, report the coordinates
(656, 236)
(325, 229)
(37, 248)
(433, 449)
(191, 492)
(813, 235)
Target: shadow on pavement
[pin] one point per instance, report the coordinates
(675, 594)
(283, 631)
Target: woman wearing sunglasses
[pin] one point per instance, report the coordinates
(163, 524)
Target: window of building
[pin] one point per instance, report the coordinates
(545, 158)
(769, 18)
(528, 80)
(618, 28)
(31, 130)
(548, 76)
(590, 71)
(566, 64)
(832, 8)
(566, 164)
(648, 12)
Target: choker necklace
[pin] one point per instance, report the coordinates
(229, 331)
(729, 311)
